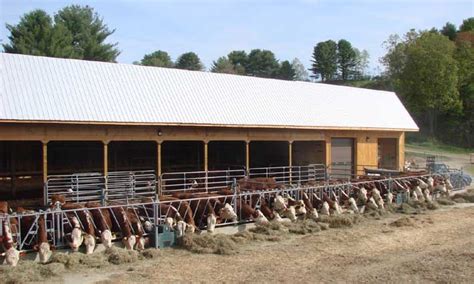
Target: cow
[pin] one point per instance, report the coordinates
(42, 245)
(103, 221)
(122, 223)
(11, 254)
(312, 213)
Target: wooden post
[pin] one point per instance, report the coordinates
(206, 160)
(247, 156)
(106, 158)
(158, 168)
(158, 151)
(45, 171)
(290, 159)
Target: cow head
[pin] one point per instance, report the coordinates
(353, 205)
(276, 217)
(300, 208)
(44, 252)
(76, 235)
(180, 228)
(290, 213)
(371, 203)
(129, 242)
(141, 240)
(363, 194)
(260, 219)
(389, 198)
(211, 223)
(12, 256)
(325, 208)
(169, 222)
(280, 203)
(89, 242)
(106, 238)
(148, 226)
(227, 212)
(313, 214)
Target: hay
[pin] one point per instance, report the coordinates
(403, 222)
(340, 221)
(150, 253)
(29, 271)
(207, 243)
(119, 256)
(303, 228)
(77, 259)
(467, 196)
(445, 201)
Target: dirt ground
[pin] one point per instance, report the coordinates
(436, 246)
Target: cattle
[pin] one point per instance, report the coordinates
(4, 209)
(312, 213)
(122, 223)
(11, 254)
(79, 234)
(103, 221)
(42, 245)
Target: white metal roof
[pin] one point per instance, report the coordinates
(45, 89)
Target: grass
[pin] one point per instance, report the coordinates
(439, 147)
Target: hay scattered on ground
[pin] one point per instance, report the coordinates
(208, 243)
(464, 197)
(119, 256)
(150, 253)
(340, 221)
(77, 259)
(403, 222)
(30, 271)
(445, 201)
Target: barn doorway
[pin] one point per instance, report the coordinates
(308, 152)
(226, 155)
(268, 154)
(342, 157)
(182, 156)
(21, 174)
(387, 153)
(132, 155)
(68, 157)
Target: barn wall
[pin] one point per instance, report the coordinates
(366, 141)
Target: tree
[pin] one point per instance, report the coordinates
(223, 65)
(158, 58)
(325, 60)
(189, 61)
(262, 63)
(361, 63)
(300, 71)
(88, 33)
(449, 30)
(346, 58)
(36, 35)
(239, 59)
(425, 74)
(286, 71)
(467, 25)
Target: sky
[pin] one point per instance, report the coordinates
(213, 28)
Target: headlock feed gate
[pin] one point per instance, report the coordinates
(154, 212)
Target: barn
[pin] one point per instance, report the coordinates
(60, 117)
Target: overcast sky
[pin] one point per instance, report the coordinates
(290, 29)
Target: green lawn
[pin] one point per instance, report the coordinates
(439, 147)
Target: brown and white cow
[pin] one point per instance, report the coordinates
(103, 221)
(11, 254)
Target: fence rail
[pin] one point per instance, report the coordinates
(153, 214)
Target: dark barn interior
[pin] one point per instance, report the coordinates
(182, 156)
(269, 154)
(132, 155)
(226, 155)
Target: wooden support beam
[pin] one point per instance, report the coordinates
(206, 158)
(247, 155)
(158, 152)
(106, 158)
(290, 158)
(45, 170)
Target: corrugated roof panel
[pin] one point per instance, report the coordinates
(51, 89)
